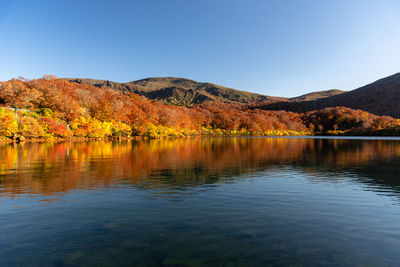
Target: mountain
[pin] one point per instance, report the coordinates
(317, 95)
(180, 91)
(381, 97)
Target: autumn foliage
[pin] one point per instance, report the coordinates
(8, 124)
(51, 107)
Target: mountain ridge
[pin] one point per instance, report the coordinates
(179, 91)
(190, 92)
(381, 97)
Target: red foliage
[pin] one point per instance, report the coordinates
(55, 128)
(70, 101)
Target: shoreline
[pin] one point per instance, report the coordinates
(6, 140)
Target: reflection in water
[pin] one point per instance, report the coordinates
(60, 167)
(201, 202)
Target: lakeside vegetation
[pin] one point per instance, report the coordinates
(51, 108)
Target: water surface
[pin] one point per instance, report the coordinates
(201, 202)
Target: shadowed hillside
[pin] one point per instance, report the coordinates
(380, 98)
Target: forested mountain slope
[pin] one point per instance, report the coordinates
(180, 91)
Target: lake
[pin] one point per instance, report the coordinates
(201, 202)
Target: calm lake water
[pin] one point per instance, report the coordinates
(201, 202)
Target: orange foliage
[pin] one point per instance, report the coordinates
(55, 107)
(8, 124)
(30, 128)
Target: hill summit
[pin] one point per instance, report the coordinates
(180, 91)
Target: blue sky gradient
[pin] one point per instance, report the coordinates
(283, 47)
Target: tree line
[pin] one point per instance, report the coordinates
(50, 107)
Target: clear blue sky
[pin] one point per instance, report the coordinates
(282, 47)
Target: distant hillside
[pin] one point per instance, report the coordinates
(180, 91)
(317, 95)
(381, 97)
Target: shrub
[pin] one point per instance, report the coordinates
(30, 128)
(80, 127)
(121, 129)
(45, 112)
(95, 129)
(54, 128)
(8, 124)
(90, 127)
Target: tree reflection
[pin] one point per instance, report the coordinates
(53, 168)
